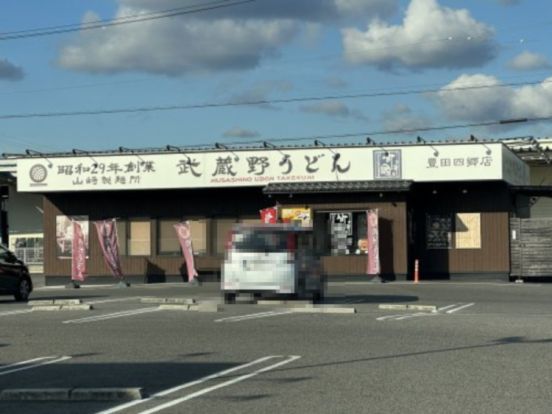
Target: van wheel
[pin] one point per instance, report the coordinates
(301, 292)
(229, 298)
(23, 291)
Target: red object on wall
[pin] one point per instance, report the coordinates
(269, 215)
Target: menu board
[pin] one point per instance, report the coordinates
(438, 231)
(341, 228)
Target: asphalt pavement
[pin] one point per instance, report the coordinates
(442, 347)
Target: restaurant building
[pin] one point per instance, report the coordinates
(447, 205)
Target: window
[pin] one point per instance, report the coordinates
(139, 243)
(263, 241)
(4, 254)
(122, 236)
(29, 249)
(223, 228)
(168, 242)
(198, 229)
(167, 239)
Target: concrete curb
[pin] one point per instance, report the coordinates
(71, 394)
(37, 394)
(202, 307)
(425, 308)
(284, 302)
(46, 308)
(392, 306)
(62, 307)
(186, 301)
(106, 394)
(77, 307)
(389, 306)
(205, 307)
(54, 302)
(335, 310)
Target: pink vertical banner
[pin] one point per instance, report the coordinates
(108, 238)
(372, 236)
(78, 256)
(185, 239)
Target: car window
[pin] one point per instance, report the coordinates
(261, 241)
(4, 253)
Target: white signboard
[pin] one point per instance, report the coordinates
(222, 168)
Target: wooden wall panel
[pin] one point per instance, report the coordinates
(530, 250)
(492, 201)
(494, 253)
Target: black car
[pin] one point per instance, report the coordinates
(14, 276)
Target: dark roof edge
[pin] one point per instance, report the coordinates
(532, 189)
(338, 187)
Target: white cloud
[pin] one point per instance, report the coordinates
(401, 118)
(494, 104)
(529, 61)
(232, 38)
(332, 108)
(430, 36)
(175, 48)
(9, 71)
(238, 132)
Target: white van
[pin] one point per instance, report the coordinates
(271, 259)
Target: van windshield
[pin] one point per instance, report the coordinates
(261, 241)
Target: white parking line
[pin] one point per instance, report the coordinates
(402, 316)
(253, 316)
(193, 383)
(221, 385)
(113, 315)
(460, 308)
(415, 315)
(383, 318)
(447, 307)
(15, 312)
(21, 366)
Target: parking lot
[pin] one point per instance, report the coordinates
(442, 347)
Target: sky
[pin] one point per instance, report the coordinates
(247, 71)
